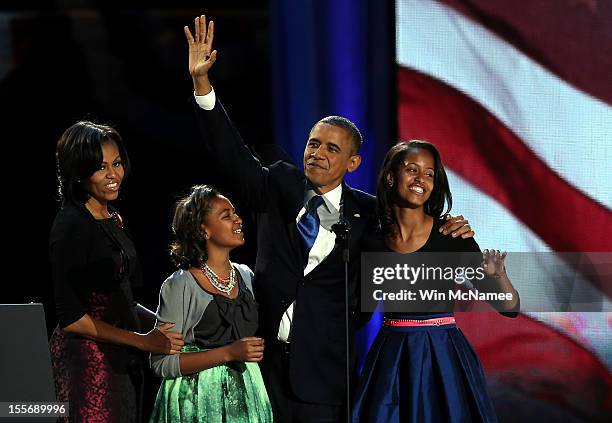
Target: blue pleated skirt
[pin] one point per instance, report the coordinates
(422, 374)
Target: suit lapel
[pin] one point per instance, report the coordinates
(351, 211)
(297, 250)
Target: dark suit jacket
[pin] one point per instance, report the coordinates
(276, 195)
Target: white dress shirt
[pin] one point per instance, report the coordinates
(323, 245)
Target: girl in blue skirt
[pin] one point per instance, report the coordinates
(421, 368)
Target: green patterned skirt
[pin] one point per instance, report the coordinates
(229, 393)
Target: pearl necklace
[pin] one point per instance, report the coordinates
(225, 285)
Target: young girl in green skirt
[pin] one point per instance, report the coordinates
(210, 300)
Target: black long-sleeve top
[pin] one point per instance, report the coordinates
(94, 266)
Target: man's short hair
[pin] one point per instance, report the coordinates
(349, 126)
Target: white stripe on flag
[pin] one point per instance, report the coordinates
(497, 228)
(568, 129)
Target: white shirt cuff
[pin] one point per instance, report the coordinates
(206, 102)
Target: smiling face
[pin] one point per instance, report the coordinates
(414, 178)
(103, 185)
(328, 156)
(222, 227)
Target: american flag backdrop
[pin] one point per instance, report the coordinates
(517, 96)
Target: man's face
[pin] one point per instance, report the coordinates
(328, 156)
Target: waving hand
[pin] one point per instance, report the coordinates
(201, 54)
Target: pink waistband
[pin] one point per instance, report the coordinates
(428, 322)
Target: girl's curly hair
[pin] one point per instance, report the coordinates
(188, 249)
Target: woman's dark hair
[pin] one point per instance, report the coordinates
(385, 195)
(79, 154)
(189, 246)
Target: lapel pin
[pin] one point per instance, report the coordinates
(357, 215)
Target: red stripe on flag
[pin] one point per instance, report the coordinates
(571, 38)
(482, 150)
(539, 361)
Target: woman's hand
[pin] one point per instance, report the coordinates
(494, 267)
(162, 341)
(246, 349)
(493, 263)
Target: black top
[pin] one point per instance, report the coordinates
(438, 242)
(226, 320)
(94, 266)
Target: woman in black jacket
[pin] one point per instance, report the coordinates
(94, 265)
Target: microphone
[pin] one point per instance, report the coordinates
(342, 229)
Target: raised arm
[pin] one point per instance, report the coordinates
(494, 267)
(222, 142)
(201, 54)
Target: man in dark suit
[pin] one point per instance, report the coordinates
(299, 272)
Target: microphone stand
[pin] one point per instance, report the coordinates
(342, 229)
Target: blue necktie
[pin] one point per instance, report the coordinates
(308, 225)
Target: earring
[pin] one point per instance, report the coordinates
(205, 236)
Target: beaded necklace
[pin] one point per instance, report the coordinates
(225, 285)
